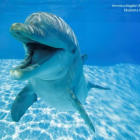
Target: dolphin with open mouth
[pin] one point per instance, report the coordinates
(53, 66)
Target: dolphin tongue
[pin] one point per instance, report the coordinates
(38, 55)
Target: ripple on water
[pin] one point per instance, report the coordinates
(115, 113)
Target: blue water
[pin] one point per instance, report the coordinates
(115, 113)
(110, 37)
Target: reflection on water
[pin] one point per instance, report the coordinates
(115, 113)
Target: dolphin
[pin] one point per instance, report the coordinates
(53, 66)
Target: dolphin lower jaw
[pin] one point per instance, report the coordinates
(25, 70)
(24, 74)
(17, 75)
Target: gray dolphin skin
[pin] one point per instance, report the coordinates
(53, 66)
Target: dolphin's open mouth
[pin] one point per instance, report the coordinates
(36, 55)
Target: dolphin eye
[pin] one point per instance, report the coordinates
(74, 50)
(18, 33)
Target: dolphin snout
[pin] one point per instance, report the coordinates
(21, 32)
(16, 27)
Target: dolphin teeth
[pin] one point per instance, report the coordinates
(25, 63)
(32, 59)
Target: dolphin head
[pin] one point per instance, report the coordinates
(49, 49)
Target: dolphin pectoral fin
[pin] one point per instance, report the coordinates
(84, 57)
(79, 107)
(90, 85)
(22, 102)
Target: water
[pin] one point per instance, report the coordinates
(115, 113)
(110, 37)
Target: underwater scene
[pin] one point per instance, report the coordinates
(69, 70)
